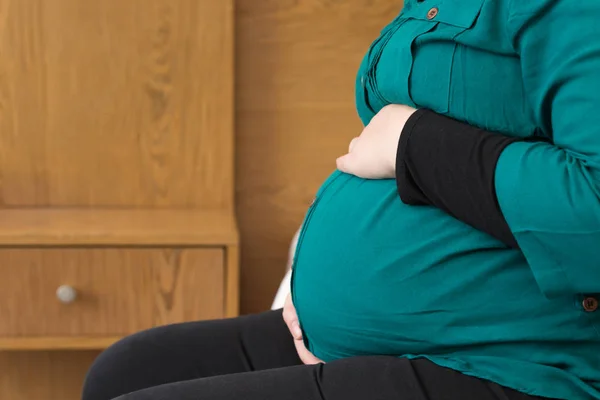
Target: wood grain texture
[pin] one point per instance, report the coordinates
(107, 106)
(296, 64)
(116, 103)
(50, 375)
(232, 281)
(57, 343)
(119, 227)
(189, 285)
(119, 291)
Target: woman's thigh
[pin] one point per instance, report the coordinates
(191, 350)
(360, 378)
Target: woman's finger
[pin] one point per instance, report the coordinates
(291, 319)
(295, 329)
(344, 163)
(352, 144)
(305, 356)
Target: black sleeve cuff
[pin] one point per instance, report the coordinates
(451, 165)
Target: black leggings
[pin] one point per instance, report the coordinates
(253, 358)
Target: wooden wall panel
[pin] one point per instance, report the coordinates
(116, 103)
(295, 70)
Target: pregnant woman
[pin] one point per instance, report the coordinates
(454, 253)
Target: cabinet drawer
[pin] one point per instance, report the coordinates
(116, 291)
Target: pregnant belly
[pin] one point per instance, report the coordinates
(375, 276)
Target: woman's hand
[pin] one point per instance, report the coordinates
(372, 155)
(291, 319)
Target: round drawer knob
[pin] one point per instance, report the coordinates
(66, 294)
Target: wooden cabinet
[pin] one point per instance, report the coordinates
(116, 180)
(72, 282)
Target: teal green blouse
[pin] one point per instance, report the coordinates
(375, 276)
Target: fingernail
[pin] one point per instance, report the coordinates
(296, 330)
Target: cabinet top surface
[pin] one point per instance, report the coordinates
(117, 227)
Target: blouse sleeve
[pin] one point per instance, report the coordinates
(549, 193)
(546, 193)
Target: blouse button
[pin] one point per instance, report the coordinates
(432, 13)
(590, 304)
